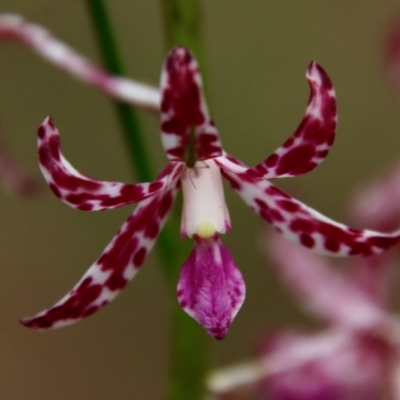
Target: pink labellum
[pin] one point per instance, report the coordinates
(305, 225)
(313, 139)
(211, 288)
(187, 129)
(80, 191)
(117, 265)
(41, 41)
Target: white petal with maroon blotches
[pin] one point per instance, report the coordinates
(80, 191)
(314, 137)
(320, 289)
(117, 265)
(304, 225)
(211, 288)
(184, 108)
(41, 41)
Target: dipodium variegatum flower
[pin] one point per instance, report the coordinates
(210, 288)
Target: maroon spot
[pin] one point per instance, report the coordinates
(139, 257)
(307, 240)
(116, 282)
(276, 215)
(322, 153)
(154, 186)
(55, 190)
(289, 142)
(85, 207)
(274, 191)
(302, 225)
(165, 206)
(84, 284)
(317, 132)
(41, 132)
(131, 193)
(295, 159)
(271, 160)
(45, 158)
(152, 231)
(54, 146)
(261, 203)
(383, 242)
(288, 205)
(331, 245)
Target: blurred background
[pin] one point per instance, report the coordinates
(257, 53)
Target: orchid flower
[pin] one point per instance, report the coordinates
(356, 357)
(210, 287)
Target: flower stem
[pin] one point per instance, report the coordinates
(127, 116)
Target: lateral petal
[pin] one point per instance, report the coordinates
(314, 137)
(306, 226)
(184, 110)
(82, 192)
(211, 288)
(118, 264)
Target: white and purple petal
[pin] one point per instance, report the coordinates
(211, 288)
(304, 225)
(80, 191)
(42, 42)
(184, 110)
(314, 137)
(322, 290)
(118, 264)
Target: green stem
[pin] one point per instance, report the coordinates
(189, 357)
(127, 117)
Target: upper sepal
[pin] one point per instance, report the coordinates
(314, 137)
(211, 288)
(78, 190)
(186, 127)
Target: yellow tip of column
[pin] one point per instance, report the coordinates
(205, 229)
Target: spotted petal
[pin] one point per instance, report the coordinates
(80, 191)
(211, 288)
(304, 225)
(118, 264)
(42, 42)
(187, 129)
(321, 289)
(314, 137)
